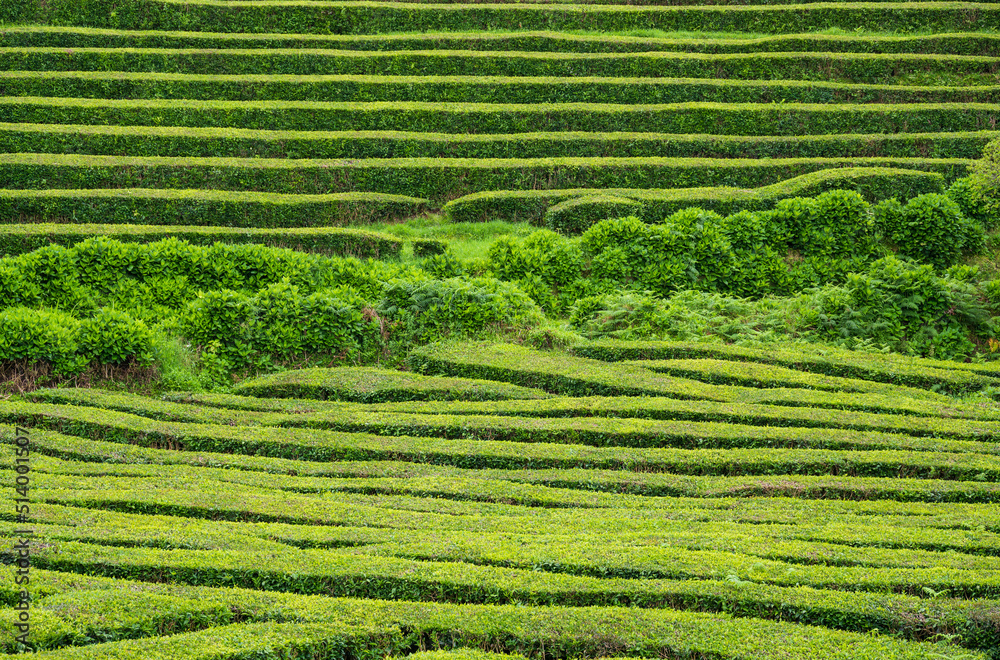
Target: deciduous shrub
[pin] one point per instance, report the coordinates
(903, 305)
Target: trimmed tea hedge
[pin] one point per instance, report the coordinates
(522, 453)
(468, 89)
(214, 142)
(368, 17)
(372, 385)
(254, 211)
(858, 68)
(18, 239)
(577, 376)
(874, 183)
(961, 43)
(686, 118)
(566, 488)
(881, 367)
(439, 179)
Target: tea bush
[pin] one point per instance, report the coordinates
(425, 310)
(575, 215)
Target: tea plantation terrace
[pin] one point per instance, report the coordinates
(325, 113)
(378, 512)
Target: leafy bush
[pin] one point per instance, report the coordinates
(426, 310)
(963, 192)
(545, 265)
(843, 226)
(984, 181)
(932, 230)
(899, 304)
(688, 250)
(114, 337)
(279, 323)
(40, 335)
(574, 216)
(426, 247)
(443, 265)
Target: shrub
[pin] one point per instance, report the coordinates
(688, 250)
(903, 305)
(114, 337)
(443, 265)
(984, 181)
(843, 226)
(964, 193)
(545, 265)
(576, 215)
(426, 247)
(932, 230)
(279, 322)
(426, 310)
(39, 335)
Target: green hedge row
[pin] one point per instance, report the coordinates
(915, 505)
(214, 142)
(18, 239)
(321, 445)
(874, 183)
(552, 490)
(968, 43)
(438, 179)
(869, 68)
(520, 488)
(374, 17)
(590, 502)
(372, 385)
(684, 118)
(326, 572)
(627, 432)
(672, 556)
(584, 376)
(525, 630)
(256, 213)
(468, 89)
(802, 401)
(881, 367)
(755, 374)
(694, 425)
(913, 417)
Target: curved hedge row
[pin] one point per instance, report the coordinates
(251, 211)
(372, 385)
(469, 89)
(532, 205)
(960, 43)
(881, 367)
(19, 239)
(437, 179)
(355, 16)
(213, 142)
(871, 68)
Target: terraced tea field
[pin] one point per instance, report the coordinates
(317, 113)
(615, 500)
(807, 504)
